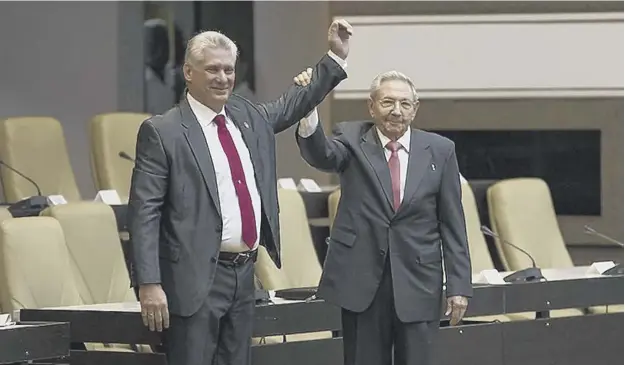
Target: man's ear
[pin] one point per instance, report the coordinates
(186, 71)
(370, 104)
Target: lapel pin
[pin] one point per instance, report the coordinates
(246, 125)
(433, 167)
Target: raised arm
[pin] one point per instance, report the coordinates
(328, 154)
(147, 194)
(297, 101)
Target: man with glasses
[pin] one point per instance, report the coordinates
(399, 213)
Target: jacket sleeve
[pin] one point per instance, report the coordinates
(298, 101)
(453, 230)
(147, 194)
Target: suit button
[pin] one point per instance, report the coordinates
(382, 252)
(213, 259)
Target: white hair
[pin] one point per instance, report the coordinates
(208, 40)
(391, 76)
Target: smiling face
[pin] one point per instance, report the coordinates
(393, 107)
(211, 79)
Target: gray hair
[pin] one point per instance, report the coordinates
(391, 76)
(208, 40)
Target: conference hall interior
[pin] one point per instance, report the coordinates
(530, 92)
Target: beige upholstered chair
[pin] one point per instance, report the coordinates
(36, 147)
(521, 212)
(111, 134)
(35, 270)
(478, 250)
(333, 205)
(300, 266)
(97, 259)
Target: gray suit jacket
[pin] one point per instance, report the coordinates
(367, 229)
(174, 215)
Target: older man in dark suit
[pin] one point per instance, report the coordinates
(399, 214)
(204, 197)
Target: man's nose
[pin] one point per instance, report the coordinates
(221, 77)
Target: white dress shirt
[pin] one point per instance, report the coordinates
(231, 235)
(231, 240)
(308, 125)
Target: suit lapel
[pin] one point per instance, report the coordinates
(250, 137)
(197, 142)
(374, 153)
(419, 161)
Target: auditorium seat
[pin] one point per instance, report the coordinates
(478, 251)
(333, 205)
(112, 133)
(35, 146)
(521, 212)
(300, 266)
(97, 259)
(35, 270)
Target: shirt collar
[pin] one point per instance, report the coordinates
(203, 114)
(404, 140)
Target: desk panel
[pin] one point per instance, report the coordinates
(582, 340)
(551, 295)
(34, 341)
(469, 344)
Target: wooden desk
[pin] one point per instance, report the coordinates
(570, 340)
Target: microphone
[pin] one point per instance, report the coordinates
(125, 156)
(530, 274)
(22, 175)
(618, 268)
(30, 206)
(589, 230)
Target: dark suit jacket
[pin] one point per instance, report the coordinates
(367, 229)
(174, 215)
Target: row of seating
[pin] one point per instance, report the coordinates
(71, 255)
(36, 147)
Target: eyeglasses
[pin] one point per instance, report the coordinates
(405, 105)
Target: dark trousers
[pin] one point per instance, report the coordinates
(376, 336)
(220, 332)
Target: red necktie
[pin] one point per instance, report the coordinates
(393, 166)
(248, 222)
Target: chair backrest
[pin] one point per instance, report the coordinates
(97, 258)
(333, 205)
(35, 269)
(5, 214)
(111, 134)
(522, 213)
(36, 147)
(300, 265)
(478, 249)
